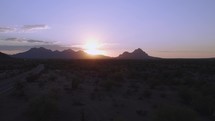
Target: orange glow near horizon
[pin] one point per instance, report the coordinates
(92, 47)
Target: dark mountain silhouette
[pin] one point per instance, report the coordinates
(136, 54)
(4, 56)
(43, 53)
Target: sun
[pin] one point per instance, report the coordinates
(93, 48)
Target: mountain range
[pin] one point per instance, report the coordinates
(4, 56)
(136, 55)
(43, 53)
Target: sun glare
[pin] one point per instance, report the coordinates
(93, 48)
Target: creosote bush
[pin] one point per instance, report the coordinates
(19, 89)
(32, 77)
(173, 113)
(75, 82)
(147, 93)
(109, 84)
(204, 104)
(42, 109)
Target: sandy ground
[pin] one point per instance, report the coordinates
(122, 103)
(131, 100)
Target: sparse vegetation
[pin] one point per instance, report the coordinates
(174, 113)
(75, 82)
(19, 89)
(109, 89)
(32, 77)
(42, 109)
(142, 112)
(147, 94)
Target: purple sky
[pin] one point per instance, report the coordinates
(163, 28)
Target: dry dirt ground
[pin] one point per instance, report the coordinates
(84, 95)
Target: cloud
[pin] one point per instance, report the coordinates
(26, 40)
(27, 28)
(11, 39)
(24, 28)
(13, 49)
(14, 39)
(7, 29)
(37, 41)
(185, 51)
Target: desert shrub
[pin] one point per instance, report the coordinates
(198, 83)
(116, 103)
(117, 76)
(128, 93)
(42, 109)
(155, 106)
(142, 112)
(41, 83)
(163, 95)
(93, 96)
(102, 74)
(32, 77)
(204, 104)
(52, 78)
(134, 85)
(147, 93)
(54, 93)
(108, 84)
(19, 89)
(117, 118)
(134, 74)
(75, 82)
(153, 82)
(174, 113)
(186, 95)
(208, 89)
(83, 115)
(78, 102)
(114, 80)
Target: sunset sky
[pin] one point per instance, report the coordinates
(163, 28)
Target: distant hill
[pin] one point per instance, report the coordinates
(136, 54)
(43, 53)
(4, 56)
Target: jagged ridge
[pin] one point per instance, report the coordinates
(136, 54)
(43, 53)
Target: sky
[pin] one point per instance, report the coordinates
(162, 28)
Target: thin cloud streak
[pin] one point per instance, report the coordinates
(29, 28)
(21, 40)
(24, 28)
(7, 29)
(185, 51)
(16, 49)
(37, 41)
